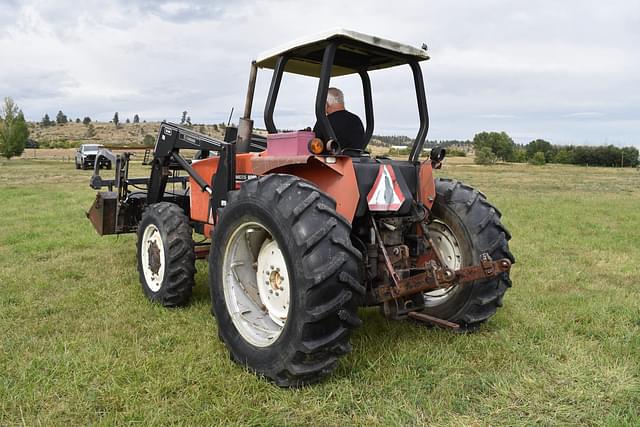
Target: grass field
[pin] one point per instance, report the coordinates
(79, 344)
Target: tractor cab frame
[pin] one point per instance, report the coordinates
(332, 54)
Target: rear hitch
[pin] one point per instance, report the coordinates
(433, 276)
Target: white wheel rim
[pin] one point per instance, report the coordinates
(449, 249)
(152, 255)
(256, 284)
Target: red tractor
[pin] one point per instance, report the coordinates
(302, 232)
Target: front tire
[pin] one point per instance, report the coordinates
(284, 280)
(166, 257)
(464, 225)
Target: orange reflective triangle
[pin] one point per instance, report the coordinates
(385, 195)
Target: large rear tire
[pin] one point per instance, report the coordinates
(166, 257)
(284, 280)
(464, 226)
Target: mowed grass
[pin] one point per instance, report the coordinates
(79, 343)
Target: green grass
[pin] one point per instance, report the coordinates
(79, 343)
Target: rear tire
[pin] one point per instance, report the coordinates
(166, 257)
(465, 225)
(283, 224)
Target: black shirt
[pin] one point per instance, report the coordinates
(348, 128)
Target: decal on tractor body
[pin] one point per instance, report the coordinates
(385, 195)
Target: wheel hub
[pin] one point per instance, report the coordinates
(154, 258)
(273, 285)
(275, 280)
(448, 247)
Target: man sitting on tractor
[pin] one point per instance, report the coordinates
(346, 125)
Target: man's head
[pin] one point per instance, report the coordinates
(335, 100)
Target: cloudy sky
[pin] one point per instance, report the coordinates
(565, 71)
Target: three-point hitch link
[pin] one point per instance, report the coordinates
(435, 276)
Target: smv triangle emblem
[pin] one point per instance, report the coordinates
(385, 195)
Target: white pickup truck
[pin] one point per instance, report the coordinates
(86, 157)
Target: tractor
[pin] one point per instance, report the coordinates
(299, 232)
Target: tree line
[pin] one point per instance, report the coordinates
(493, 146)
(62, 119)
(391, 140)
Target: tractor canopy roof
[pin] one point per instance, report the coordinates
(356, 52)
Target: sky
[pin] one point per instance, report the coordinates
(567, 72)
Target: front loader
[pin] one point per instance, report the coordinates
(302, 231)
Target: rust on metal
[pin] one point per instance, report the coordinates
(435, 277)
(430, 319)
(202, 251)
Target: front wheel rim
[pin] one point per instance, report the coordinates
(256, 284)
(449, 249)
(152, 256)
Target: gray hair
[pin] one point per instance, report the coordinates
(335, 96)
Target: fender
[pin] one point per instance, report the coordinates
(334, 176)
(337, 179)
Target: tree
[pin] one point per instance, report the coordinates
(86, 120)
(61, 118)
(520, 155)
(46, 121)
(499, 143)
(148, 141)
(188, 121)
(77, 120)
(630, 157)
(91, 131)
(136, 119)
(184, 118)
(540, 145)
(564, 156)
(537, 159)
(485, 156)
(116, 119)
(13, 130)
(127, 121)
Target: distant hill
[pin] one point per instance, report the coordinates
(74, 134)
(71, 135)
